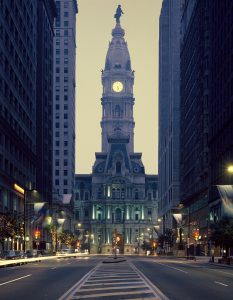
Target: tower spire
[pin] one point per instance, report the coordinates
(117, 98)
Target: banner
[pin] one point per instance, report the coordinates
(226, 194)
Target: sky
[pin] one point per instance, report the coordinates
(95, 22)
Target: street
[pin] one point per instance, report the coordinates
(136, 278)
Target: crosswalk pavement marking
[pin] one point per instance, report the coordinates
(122, 281)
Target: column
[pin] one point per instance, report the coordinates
(127, 212)
(93, 211)
(142, 214)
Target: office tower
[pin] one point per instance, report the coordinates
(195, 78)
(17, 107)
(169, 112)
(46, 12)
(64, 97)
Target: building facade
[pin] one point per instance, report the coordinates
(64, 97)
(220, 102)
(116, 205)
(195, 77)
(169, 112)
(46, 12)
(18, 50)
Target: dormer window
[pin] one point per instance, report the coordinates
(117, 66)
(118, 167)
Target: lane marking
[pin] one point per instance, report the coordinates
(103, 288)
(218, 271)
(53, 268)
(113, 294)
(115, 283)
(109, 276)
(79, 283)
(221, 283)
(16, 279)
(114, 279)
(171, 267)
(151, 286)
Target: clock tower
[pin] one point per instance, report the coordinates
(117, 99)
(116, 205)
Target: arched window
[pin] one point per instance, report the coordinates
(118, 193)
(122, 193)
(117, 112)
(136, 214)
(86, 197)
(118, 215)
(99, 214)
(113, 193)
(118, 167)
(99, 196)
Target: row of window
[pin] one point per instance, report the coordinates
(57, 172)
(58, 61)
(58, 23)
(65, 70)
(57, 143)
(60, 31)
(66, 79)
(58, 51)
(58, 42)
(65, 152)
(65, 182)
(115, 194)
(57, 97)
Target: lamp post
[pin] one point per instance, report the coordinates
(25, 207)
(59, 222)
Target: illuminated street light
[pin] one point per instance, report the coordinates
(230, 168)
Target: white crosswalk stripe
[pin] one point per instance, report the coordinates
(115, 281)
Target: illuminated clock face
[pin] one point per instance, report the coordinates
(117, 86)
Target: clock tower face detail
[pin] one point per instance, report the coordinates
(117, 86)
(117, 98)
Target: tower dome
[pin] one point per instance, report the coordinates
(118, 55)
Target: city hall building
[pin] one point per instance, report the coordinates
(118, 201)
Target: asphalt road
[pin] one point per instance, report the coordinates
(188, 280)
(44, 280)
(177, 279)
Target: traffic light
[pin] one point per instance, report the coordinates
(37, 234)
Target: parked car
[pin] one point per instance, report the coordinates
(64, 252)
(33, 253)
(21, 254)
(10, 254)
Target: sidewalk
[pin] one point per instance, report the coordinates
(200, 259)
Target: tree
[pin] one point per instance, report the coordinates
(67, 238)
(167, 237)
(146, 246)
(8, 227)
(222, 233)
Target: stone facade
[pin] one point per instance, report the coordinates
(118, 200)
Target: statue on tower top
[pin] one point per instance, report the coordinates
(118, 13)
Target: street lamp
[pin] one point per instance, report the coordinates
(230, 169)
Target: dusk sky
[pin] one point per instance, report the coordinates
(95, 22)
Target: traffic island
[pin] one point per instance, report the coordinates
(113, 260)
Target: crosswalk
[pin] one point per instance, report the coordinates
(115, 281)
